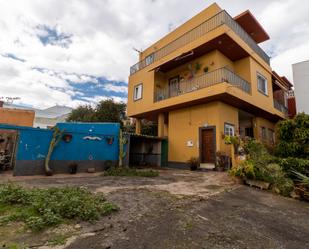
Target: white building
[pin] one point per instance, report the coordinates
(301, 85)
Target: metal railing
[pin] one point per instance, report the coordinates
(206, 80)
(280, 107)
(212, 23)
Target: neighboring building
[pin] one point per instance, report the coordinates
(51, 116)
(301, 82)
(16, 116)
(206, 79)
(45, 118)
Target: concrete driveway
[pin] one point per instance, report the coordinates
(183, 209)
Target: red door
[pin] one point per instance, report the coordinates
(208, 146)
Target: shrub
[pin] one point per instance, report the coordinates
(122, 171)
(245, 169)
(293, 135)
(40, 208)
(291, 164)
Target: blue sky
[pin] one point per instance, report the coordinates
(78, 52)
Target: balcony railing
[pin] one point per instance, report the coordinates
(206, 80)
(280, 107)
(214, 22)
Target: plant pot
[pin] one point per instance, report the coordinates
(193, 167)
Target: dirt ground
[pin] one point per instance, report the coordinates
(177, 210)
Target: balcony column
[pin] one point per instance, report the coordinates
(161, 125)
(138, 126)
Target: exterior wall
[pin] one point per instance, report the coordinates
(88, 147)
(258, 123)
(184, 126)
(301, 82)
(16, 117)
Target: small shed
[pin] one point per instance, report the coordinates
(142, 150)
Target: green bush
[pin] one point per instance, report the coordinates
(293, 136)
(40, 208)
(291, 164)
(122, 171)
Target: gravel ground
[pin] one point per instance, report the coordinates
(182, 209)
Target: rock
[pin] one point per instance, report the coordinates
(77, 226)
(91, 170)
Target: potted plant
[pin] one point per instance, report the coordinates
(205, 69)
(221, 161)
(194, 163)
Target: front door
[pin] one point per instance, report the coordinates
(208, 145)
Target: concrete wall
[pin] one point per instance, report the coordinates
(16, 117)
(301, 85)
(88, 147)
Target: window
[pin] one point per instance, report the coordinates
(262, 84)
(149, 59)
(138, 91)
(271, 135)
(263, 133)
(286, 99)
(229, 129)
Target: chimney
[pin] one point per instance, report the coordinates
(1, 103)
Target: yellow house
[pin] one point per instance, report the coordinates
(206, 79)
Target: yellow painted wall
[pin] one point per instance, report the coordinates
(16, 117)
(184, 126)
(259, 122)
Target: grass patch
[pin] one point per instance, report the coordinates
(121, 171)
(42, 208)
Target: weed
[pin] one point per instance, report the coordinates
(121, 171)
(41, 208)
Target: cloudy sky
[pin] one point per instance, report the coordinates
(79, 51)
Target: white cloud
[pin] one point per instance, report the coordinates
(103, 32)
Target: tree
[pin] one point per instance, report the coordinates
(105, 111)
(110, 111)
(83, 113)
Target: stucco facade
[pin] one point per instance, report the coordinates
(205, 79)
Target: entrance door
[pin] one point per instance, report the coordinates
(208, 145)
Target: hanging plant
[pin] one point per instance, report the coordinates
(197, 66)
(67, 138)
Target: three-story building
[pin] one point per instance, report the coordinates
(206, 79)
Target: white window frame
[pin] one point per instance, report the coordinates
(229, 129)
(258, 75)
(138, 92)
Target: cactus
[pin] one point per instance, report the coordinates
(122, 142)
(53, 143)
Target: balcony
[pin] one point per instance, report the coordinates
(212, 23)
(280, 107)
(206, 80)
